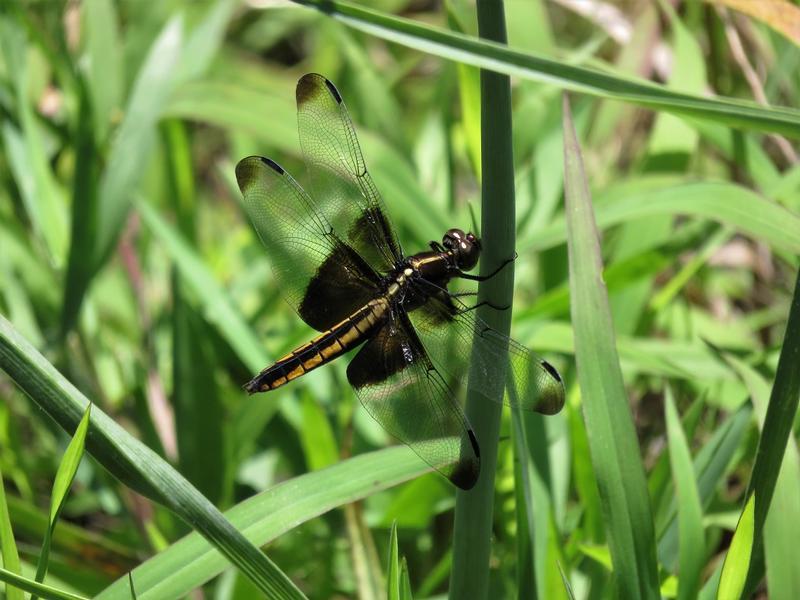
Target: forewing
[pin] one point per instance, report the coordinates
(340, 183)
(401, 390)
(321, 276)
(458, 341)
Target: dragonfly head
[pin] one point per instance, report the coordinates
(465, 247)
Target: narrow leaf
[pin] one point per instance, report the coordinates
(393, 568)
(8, 545)
(134, 463)
(612, 437)
(497, 57)
(34, 587)
(690, 513)
(737, 561)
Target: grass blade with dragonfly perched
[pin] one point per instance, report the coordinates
(474, 508)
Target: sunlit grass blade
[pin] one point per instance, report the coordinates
(192, 561)
(782, 525)
(64, 476)
(727, 203)
(690, 513)
(737, 560)
(710, 466)
(21, 583)
(775, 434)
(133, 462)
(8, 545)
(612, 437)
(488, 55)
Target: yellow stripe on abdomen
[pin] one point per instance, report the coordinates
(322, 349)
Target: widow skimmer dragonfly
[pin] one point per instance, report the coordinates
(337, 260)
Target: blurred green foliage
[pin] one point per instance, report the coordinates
(127, 260)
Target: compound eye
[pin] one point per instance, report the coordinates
(453, 238)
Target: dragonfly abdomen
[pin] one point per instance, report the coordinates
(328, 345)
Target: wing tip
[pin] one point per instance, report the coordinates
(465, 473)
(245, 167)
(309, 84)
(552, 370)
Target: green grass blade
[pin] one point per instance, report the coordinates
(104, 71)
(84, 213)
(34, 587)
(133, 462)
(8, 545)
(134, 140)
(192, 561)
(488, 55)
(202, 451)
(27, 153)
(217, 306)
(782, 525)
(729, 204)
(737, 560)
(64, 476)
(690, 513)
(612, 437)
(474, 508)
(778, 422)
(393, 568)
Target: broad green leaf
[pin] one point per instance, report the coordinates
(497, 57)
(133, 462)
(612, 437)
(690, 512)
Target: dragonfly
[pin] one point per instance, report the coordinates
(337, 260)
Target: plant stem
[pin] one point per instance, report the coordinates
(473, 515)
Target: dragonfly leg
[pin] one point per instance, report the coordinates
(490, 275)
(484, 303)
